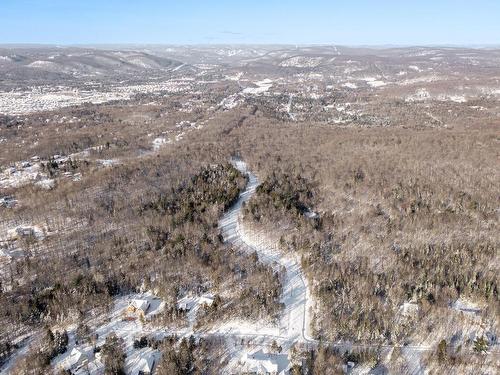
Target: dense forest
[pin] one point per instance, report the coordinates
(385, 232)
(394, 223)
(156, 232)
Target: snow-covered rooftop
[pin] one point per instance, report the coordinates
(260, 362)
(140, 304)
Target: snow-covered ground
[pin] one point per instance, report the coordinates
(33, 172)
(191, 304)
(294, 325)
(374, 82)
(466, 306)
(350, 85)
(18, 175)
(23, 343)
(302, 62)
(251, 340)
(295, 321)
(231, 101)
(413, 359)
(262, 87)
(159, 142)
(127, 326)
(50, 98)
(422, 95)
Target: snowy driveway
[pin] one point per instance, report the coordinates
(295, 320)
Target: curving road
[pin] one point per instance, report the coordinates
(295, 320)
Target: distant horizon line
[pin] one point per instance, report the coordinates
(375, 46)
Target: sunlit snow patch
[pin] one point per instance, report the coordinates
(262, 87)
(160, 142)
(350, 85)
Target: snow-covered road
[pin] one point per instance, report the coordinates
(295, 319)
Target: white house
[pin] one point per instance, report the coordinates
(207, 299)
(184, 306)
(76, 359)
(258, 362)
(139, 306)
(146, 364)
(265, 367)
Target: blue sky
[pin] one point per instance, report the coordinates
(348, 22)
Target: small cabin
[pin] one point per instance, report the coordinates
(139, 307)
(207, 299)
(146, 365)
(259, 362)
(76, 359)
